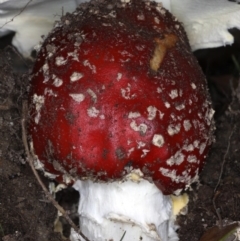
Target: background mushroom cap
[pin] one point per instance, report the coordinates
(99, 109)
(33, 19)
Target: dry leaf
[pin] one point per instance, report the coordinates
(219, 234)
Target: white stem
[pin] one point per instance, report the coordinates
(137, 209)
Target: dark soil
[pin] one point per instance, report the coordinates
(26, 214)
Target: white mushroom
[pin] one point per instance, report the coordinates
(206, 22)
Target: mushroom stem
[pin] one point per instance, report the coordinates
(132, 209)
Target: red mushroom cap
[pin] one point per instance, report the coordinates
(115, 87)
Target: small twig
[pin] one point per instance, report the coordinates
(12, 19)
(123, 236)
(30, 161)
(216, 193)
(217, 210)
(224, 160)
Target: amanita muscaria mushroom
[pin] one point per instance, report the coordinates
(120, 107)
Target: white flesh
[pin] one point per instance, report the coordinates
(137, 208)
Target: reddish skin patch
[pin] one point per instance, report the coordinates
(101, 148)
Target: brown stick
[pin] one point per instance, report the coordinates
(30, 161)
(20, 11)
(216, 192)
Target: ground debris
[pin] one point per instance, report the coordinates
(22, 216)
(218, 195)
